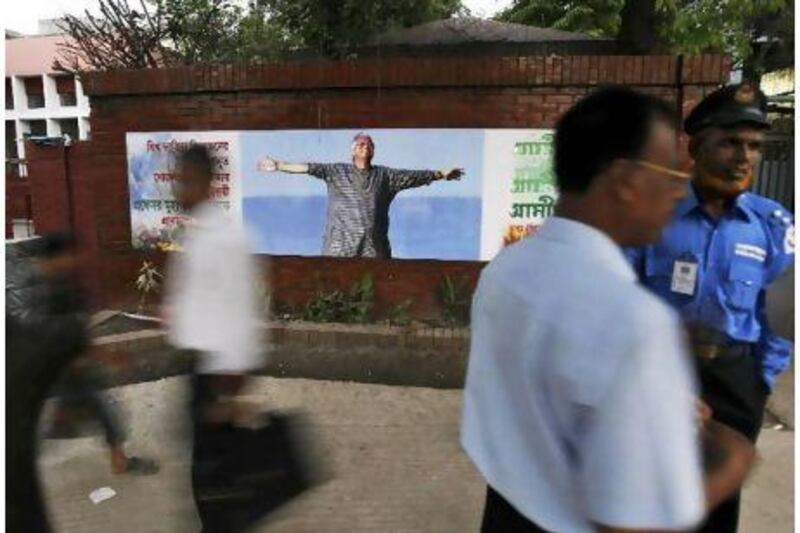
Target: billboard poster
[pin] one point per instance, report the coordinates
(448, 194)
(157, 221)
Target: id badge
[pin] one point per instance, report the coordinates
(684, 277)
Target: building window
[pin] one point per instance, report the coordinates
(13, 166)
(11, 140)
(67, 99)
(34, 89)
(69, 127)
(36, 128)
(9, 94)
(65, 86)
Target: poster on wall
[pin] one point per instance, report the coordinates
(449, 194)
(157, 221)
(519, 190)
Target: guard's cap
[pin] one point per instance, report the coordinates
(731, 105)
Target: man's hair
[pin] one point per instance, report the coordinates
(55, 244)
(362, 135)
(611, 123)
(198, 156)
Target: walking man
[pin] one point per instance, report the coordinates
(579, 405)
(211, 311)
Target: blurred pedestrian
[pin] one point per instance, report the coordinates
(211, 310)
(580, 400)
(61, 293)
(35, 357)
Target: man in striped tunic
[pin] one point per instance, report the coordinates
(359, 196)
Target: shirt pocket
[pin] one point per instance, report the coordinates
(743, 284)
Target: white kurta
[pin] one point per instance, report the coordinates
(212, 295)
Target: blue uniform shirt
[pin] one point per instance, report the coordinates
(737, 256)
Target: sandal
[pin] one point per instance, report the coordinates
(141, 467)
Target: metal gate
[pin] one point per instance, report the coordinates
(775, 173)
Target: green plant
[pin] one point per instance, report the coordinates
(146, 283)
(398, 316)
(456, 298)
(353, 306)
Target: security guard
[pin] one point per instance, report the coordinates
(714, 260)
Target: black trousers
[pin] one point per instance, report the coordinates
(35, 358)
(736, 392)
(499, 516)
(202, 396)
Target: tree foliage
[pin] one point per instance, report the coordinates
(335, 28)
(154, 33)
(600, 18)
(695, 26)
(739, 27)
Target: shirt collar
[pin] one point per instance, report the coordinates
(741, 206)
(591, 240)
(689, 203)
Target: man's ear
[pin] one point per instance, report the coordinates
(696, 143)
(621, 178)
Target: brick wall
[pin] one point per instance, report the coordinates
(48, 185)
(453, 92)
(18, 201)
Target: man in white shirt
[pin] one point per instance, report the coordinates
(211, 307)
(580, 400)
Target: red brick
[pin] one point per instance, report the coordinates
(540, 70)
(688, 71)
(480, 92)
(568, 70)
(583, 70)
(646, 71)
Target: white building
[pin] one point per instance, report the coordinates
(39, 100)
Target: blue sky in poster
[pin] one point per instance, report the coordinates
(142, 164)
(286, 212)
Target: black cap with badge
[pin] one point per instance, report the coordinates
(734, 104)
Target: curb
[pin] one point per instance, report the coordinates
(388, 355)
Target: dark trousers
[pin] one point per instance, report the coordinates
(79, 390)
(499, 516)
(736, 392)
(35, 357)
(202, 396)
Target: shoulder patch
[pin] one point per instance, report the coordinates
(788, 240)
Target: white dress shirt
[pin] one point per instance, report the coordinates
(212, 291)
(579, 400)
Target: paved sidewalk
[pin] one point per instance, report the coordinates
(393, 452)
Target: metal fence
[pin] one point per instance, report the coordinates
(775, 173)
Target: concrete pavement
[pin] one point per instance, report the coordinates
(393, 453)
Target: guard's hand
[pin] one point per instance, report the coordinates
(267, 165)
(452, 174)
